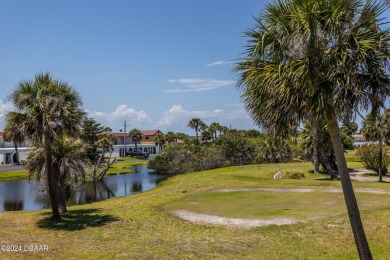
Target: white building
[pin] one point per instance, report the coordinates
(8, 152)
(146, 145)
(358, 140)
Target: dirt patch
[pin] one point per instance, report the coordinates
(237, 222)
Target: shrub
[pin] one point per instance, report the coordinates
(181, 158)
(368, 154)
(273, 150)
(237, 150)
(294, 175)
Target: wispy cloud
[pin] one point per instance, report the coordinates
(194, 85)
(217, 63)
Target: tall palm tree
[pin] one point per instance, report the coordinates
(378, 128)
(160, 140)
(136, 136)
(316, 57)
(213, 128)
(69, 164)
(46, 108)
(197, 125)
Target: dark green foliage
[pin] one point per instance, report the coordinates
(349, 128)
(347, 141)
(273, 150)
(181, 158)
(253, 133)
(368, 154)
(237, 149)
(90, 134)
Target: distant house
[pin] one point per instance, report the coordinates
(358, 140)
(146, 145)
(8, 153)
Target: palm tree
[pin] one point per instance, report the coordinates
(69, 164)
(213, 128)
(135, 135)
(196, 124)
(377, 128)
(46, 108)
(171, 137)
(106, 145)
(316, 57)
(160, 140)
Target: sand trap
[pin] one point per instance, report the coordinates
(238, 222)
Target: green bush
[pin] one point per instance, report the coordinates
(273, 150)
(181, 158)
(237, 150)
(368, 154)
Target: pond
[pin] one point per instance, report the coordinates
(30, 194)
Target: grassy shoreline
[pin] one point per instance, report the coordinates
(120, 167)
(141, 227)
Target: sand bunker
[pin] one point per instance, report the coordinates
(238, 222)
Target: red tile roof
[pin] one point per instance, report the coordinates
(150, 132)
(144, 132)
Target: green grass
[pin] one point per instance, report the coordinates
(141, 226)
(13, 175)
(269, 205)
(122, 166)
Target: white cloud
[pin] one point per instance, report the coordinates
(115, 119)
(220, 62)
(4, 109)
(192, 85)
(176, 118)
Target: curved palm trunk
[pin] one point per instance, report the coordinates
(50, 181)
(349, 195)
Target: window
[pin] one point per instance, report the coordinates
(147, 137)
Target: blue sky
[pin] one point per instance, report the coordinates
(155, 64)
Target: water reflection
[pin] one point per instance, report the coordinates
(29, 195)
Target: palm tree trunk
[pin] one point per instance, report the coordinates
(380, 156)
(349, 195)
(50, 179)
(16, 152)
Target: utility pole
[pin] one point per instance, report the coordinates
(124, 137)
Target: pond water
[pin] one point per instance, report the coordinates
(30, 194)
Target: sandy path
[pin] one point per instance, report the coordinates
(238, 222)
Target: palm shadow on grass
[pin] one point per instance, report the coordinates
(76, 220)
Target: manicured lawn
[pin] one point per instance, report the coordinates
(142, 226)
(13, 175)
(123, 165)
